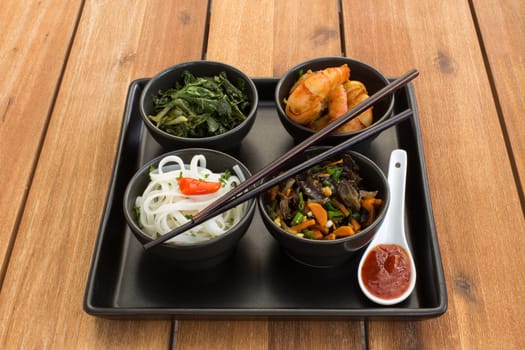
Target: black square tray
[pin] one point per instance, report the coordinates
(258, 280)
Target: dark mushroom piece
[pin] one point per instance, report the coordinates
(347, 192)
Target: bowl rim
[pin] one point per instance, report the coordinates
(186, 246)
(187, 65)
(338, 241)
(342, 59)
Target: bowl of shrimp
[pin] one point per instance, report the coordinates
(315, 93)
(324, 215)
(168, 190)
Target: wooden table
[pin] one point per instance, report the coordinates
(65, 69)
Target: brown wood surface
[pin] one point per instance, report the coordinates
(469, 54)
(41, 297)
(467, 163)
(31, 62)
(279, 47)
(502, 28)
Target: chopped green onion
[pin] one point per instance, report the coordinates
(224, 177)
(335, 172)
(301, 201)
(298, 218)
(308, 234)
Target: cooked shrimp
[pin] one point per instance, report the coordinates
(353, 89)
(320, 122)
(366, 118)
(337, 102)
(356, 93)
(301, 79)
(337, 106)
(308, 99)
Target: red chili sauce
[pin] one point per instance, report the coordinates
(386, 271)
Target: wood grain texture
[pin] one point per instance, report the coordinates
(304, 30)
(41, 299)
(314, 335)
(30, 66)
(222, 335)
(477, 209)
(264, 39)
(467, 163)
(240, 35)
(502, 28)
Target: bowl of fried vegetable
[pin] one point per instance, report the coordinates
(168, 190)
(199, 104)
(314, 93)
(322, 216)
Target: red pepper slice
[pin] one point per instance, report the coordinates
(189, 186)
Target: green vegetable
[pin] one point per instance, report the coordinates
(298, 218)
(201, 106)
(333, 212)
(301, 201)
(270, 208)
(335, 172)
(224, 177)
(308, 234)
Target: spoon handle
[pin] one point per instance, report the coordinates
(397, 170)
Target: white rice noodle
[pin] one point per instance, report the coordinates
(162, 206)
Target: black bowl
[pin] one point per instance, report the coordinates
(368, 75)
(167, 79)
(196, 255)
(330, 253)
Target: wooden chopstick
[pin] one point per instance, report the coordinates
(332, 151)
(223, 202)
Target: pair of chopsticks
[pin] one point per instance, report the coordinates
(243, 192)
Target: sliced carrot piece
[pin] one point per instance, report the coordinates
(368, 204)
(341, 207)
(344, 231)
(317, 234)
(319, 212)
(331, 236)
(356, 225)
(368, 201)
(323, 229)
(303, 225)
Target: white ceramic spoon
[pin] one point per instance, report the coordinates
(392, 230)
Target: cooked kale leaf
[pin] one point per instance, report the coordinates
(201, 106)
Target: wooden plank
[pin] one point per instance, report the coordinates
(475, 200)
(268, 334)
(41, 300)
(222, 335)
(30, 66)
(265, 39)
(502, 29)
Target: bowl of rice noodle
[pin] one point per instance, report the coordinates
(168, 190)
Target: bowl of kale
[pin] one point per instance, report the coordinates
(202, 103)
